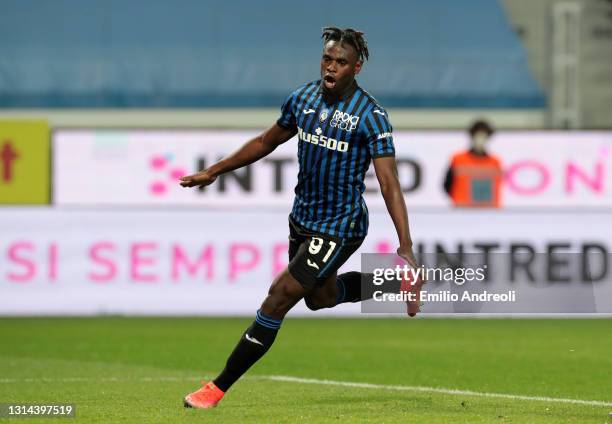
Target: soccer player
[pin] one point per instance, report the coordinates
(340, 129)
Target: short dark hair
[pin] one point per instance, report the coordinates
(481, 125)
(350, 36)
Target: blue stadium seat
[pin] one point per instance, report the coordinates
(204, 53)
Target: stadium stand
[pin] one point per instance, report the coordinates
(111, 53)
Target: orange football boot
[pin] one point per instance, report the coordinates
(206, 397)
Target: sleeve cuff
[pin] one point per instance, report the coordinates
(382, 155)
(285, 125)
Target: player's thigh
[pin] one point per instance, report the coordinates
(325, 293)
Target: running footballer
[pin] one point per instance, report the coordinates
(340, 129)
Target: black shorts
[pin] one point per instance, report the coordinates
(313, 256)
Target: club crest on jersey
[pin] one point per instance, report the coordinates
(344, 121)
(323, 116)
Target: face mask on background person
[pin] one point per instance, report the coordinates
(479, 141)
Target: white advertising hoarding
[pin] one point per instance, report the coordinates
(141, 167)
(83, 261)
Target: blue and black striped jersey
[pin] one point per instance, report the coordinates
(336, 143)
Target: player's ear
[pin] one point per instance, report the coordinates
(358, 67)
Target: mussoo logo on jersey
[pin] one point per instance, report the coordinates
(321, 140)
(344, 121)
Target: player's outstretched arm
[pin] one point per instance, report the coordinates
(386, 173)
(250, 152)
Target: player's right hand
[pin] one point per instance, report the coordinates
(201, 179)
(406, 254)
(410, 286)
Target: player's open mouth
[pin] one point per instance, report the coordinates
(329, 81)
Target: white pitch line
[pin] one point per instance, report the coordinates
(290, 379)
(428, 390)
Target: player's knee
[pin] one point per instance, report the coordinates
(283, 294)
(318, 301)
(312, 304)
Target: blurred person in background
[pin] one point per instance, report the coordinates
(474, 176)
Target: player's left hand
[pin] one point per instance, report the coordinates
(200, 179)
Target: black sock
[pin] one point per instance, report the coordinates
(350, 287)
(253, 344)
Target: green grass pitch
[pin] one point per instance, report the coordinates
(136, 370)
